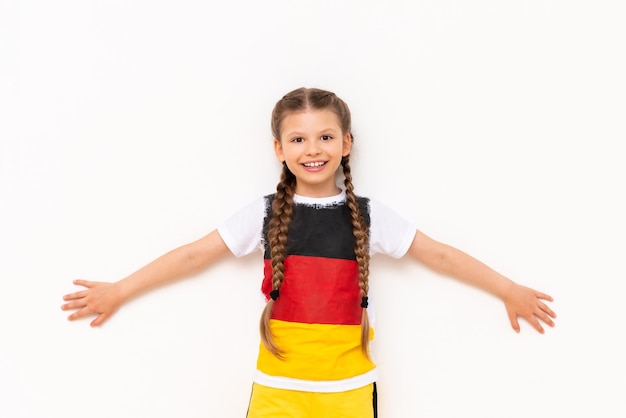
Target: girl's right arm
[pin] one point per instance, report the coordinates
(103, 298)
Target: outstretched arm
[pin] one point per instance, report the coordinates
(103, 299)
(518, 300)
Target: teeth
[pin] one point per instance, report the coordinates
(316, 164)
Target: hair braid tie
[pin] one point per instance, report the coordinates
(364, 302)
(274, 294)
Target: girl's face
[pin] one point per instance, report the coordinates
(312, 144)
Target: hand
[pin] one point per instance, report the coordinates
(99, 298)
(527, 303)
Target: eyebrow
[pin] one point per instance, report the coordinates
(322, 132)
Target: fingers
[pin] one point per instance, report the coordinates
(543, 311)
(76, 295)
(77, 300)
(534, 322)
(80, 294)
(100, 319)
(79, 304)
(545, 314)
(82, 310)
(544, 296)
(546, 309)
(93, 300)
(514, 322)
(80, 313)
(532, 308)
(85, 283)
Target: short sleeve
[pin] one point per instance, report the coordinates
(243, 232)
(390, 233)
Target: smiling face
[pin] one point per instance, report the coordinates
(312, 144)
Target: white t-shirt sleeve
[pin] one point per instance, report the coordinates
(390, 233)
(243, 232)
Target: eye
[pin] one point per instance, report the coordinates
(326, 137)
(298, 139)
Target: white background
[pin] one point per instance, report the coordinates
(128, 128)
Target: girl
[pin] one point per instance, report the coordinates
(317, 239)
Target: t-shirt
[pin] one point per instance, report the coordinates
(316, 321)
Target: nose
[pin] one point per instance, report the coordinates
(313, 147)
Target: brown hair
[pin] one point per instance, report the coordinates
(282, 206)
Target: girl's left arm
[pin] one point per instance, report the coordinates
(518, 300)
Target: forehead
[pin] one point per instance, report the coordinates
(310, 121)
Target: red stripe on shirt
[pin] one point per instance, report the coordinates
(316, 290)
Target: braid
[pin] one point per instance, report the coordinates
(361, 249)
(282, 209)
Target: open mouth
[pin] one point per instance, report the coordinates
(314, 164)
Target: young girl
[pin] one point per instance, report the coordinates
(317, 239)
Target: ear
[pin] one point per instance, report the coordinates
(347, 144)
(278, 150)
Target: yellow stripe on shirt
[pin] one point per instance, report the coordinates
(315, 351)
